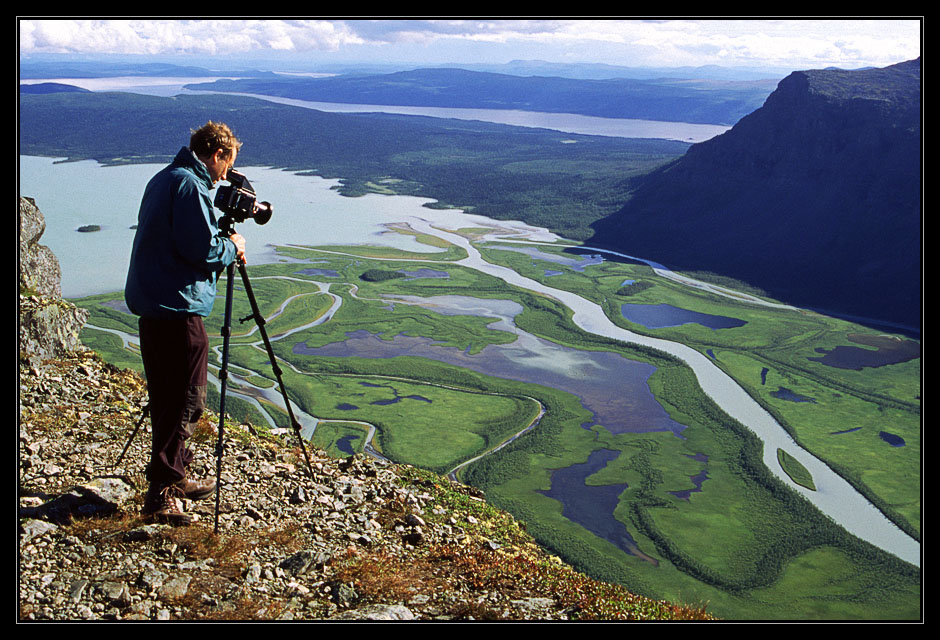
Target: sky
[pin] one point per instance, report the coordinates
(303, 44)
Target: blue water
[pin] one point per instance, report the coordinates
(660, 316)
(893, 440)
(786, 394)
(615, 389)
(425, 273)
(325, 273)
(307, 210)
(344, 444)
(591, 506)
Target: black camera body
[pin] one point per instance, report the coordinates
(239, 202)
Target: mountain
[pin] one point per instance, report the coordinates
(814, 197)
(50, 87)
(673, 100)
(599, 71)
(59, 67)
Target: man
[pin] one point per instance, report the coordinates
(171, 284)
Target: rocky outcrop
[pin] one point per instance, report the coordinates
(815, 197)
(356, 539)
(341, 539)
(48, 325)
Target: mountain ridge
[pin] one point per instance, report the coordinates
(814, 197)
(668, 99)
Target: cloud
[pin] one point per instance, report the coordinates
(635, 42)
(205, 37)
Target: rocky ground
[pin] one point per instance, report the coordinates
(361, 539)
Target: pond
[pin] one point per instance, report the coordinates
(592, 506)
(787, 394)
(887, 350)
(660, 316)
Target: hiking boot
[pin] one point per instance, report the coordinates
(166, 505)
(196, 489)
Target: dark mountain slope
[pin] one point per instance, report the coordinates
(815, 197)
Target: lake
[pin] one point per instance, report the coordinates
(566, 122)
(306, 210)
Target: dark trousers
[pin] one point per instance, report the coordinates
(175, 354)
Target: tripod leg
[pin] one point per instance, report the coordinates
(223, 379)
(143, 415)
(259, 320)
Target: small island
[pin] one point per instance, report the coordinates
(88, 228)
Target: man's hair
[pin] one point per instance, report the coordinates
(210, 137)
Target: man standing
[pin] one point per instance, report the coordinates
(171, 284)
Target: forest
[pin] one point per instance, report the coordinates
(560, 181)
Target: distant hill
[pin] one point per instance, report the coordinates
(599, 71)
(50, 87)
(557, 180)
(703, 101)
(815, 197)
(64, 68)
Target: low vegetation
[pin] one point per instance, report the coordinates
(771, 540)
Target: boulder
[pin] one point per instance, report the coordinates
(48, 325)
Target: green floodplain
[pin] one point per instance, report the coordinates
(697, 519)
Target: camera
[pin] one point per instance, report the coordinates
(239, 202)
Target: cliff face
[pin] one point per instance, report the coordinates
(48, 325)
(815, 197)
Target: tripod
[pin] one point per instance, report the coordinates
(226, 226)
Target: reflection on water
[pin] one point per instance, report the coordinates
(577, 263)
(788, 394)
(612, 387)
(892, 439)
(590, 506)
(660, 316)
(887, 350)
(344, 444)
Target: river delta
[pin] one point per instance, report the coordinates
(613, 389)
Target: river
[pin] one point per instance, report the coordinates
(73, 194)
(834, 496)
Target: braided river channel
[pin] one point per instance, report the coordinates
(308, 211)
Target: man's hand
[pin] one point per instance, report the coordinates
(239, 247)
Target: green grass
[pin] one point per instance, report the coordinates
(875, 399)
(797, 472)
(743, 544)
(328, 433)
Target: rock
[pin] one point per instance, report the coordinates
(298, 563)
(49, 326)
(99, 497)
(377, 612)
(32, 528)
(300, 559)
(175, 588)
(343, 594)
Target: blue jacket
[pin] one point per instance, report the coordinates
(177, 253)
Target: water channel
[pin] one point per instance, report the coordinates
(67, 205)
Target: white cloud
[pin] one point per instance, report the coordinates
(181, 36)
(662, 42)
